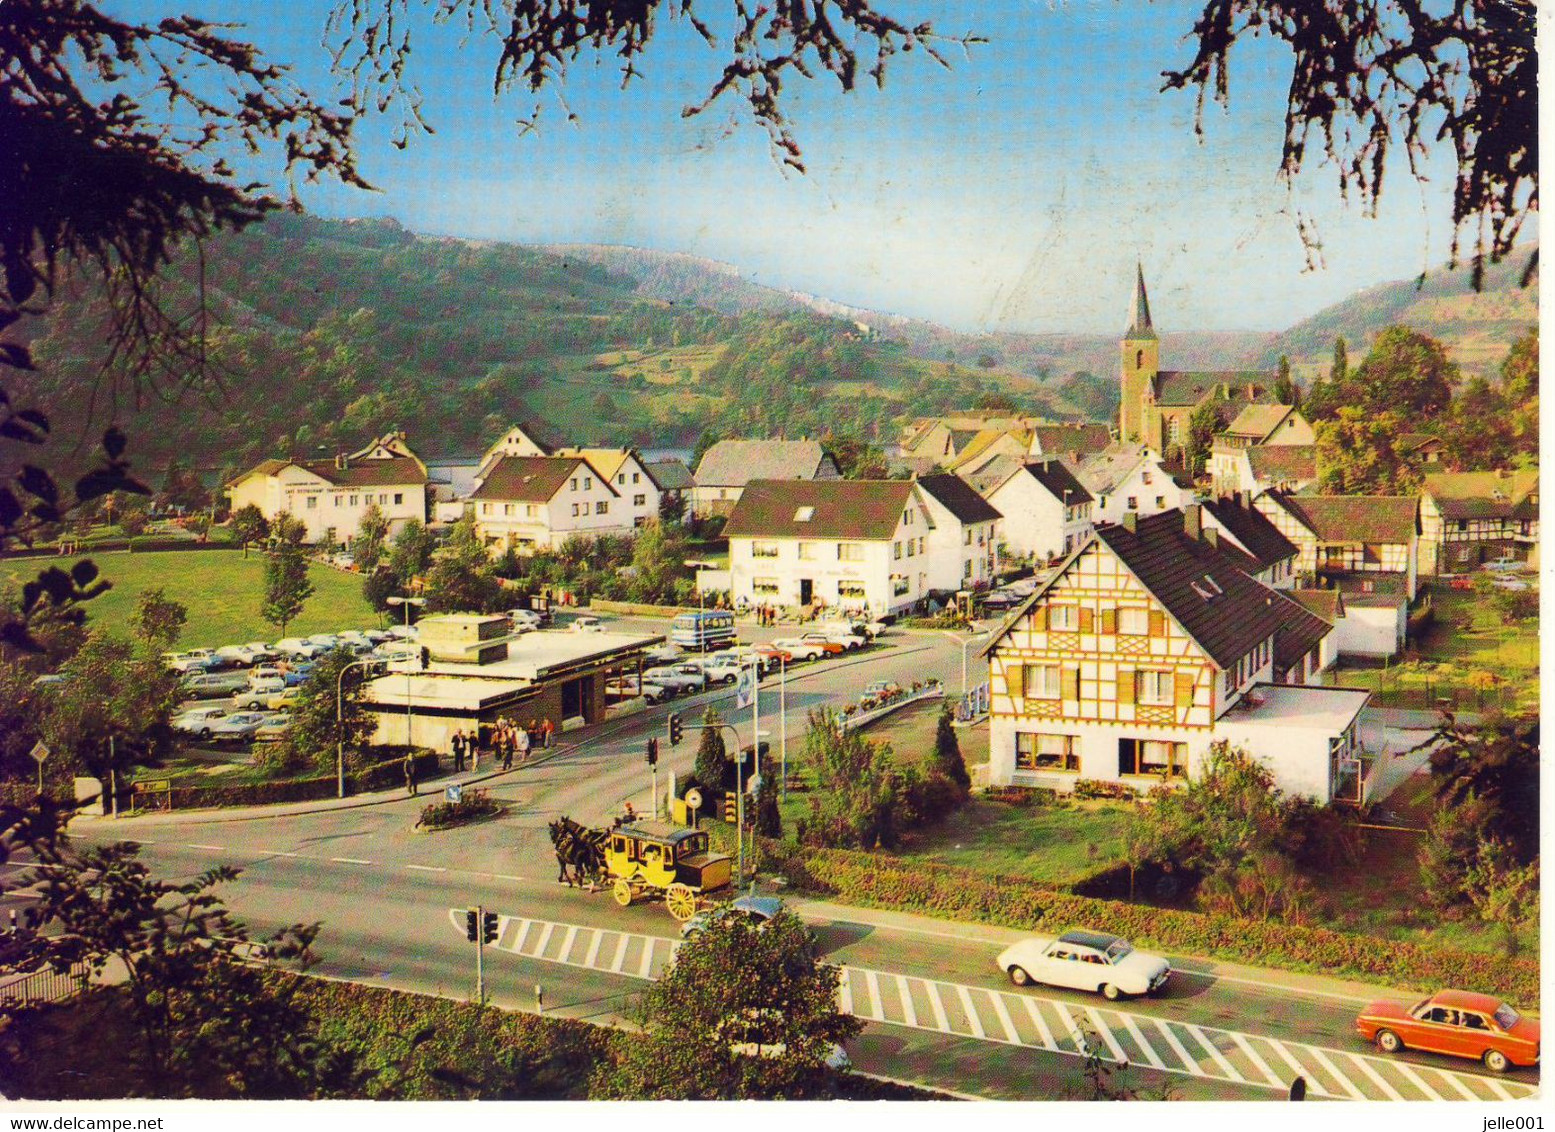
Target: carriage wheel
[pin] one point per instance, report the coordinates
(622, 891)
(681, 901)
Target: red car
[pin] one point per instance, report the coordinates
(1457, 1023)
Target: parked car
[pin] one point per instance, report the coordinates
(1084, 960)
(741, 655)
(203, 685)
(183, 662)
(587, 624)
(212, 661)
(664, 654)
(377, 636)
(324, 642)
(800, 649)
(273, 728)
(720, 669)
(677, 682)
(627, 687)
(257, 695)
(1460, 582)
(343, 561)
(237, 728)
(836, 640)
(396, 650)
(235, 656)
(355, 637)
(1455, 1023)
(262, 672)
(1504, 564)
(405, 632)
(774, 655)
(297, 647)
(524, 620)
(760, 909)
(197, 721)
(261, 652)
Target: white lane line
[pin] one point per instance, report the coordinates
(972, 1019)
(1333, 1071)
(1262, 1065)
(216, 848)
(1004, 1018)
(1499, 1089)
(1189, 1063)
(1105, 1033)
(620, 958)
(845, 993)
(545, 938)
(1139, 1040)
(572, 934)
(1378, 1079)
(1313, 1085)
(1214, 1052)
(1417, 1081)
(427, 868)
(349, 861)
(1039, 1022)
(936, 1005)
(647, 964)
(1178, 973)
(1456, 1081)
(1074, 1030)
(599, 938)
(909, 1011)
(277, 853)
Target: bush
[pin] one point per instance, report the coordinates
(472, 804)
(379, 776)
(1100, 788)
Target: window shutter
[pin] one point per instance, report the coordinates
(1087, 620)
(1126, 679)
(1109, 621)
(1039, 619)
(1071, 684)
(1157, 623)
(1015, 681)
(1185, 682)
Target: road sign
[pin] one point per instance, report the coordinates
(454, 793)
(153, 786)
(745, 690)
(694, 798)
(39, 752)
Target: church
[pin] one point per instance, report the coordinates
(1156, 404)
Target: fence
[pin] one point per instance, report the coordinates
(863, 718)
(47, 985)
(973, 705)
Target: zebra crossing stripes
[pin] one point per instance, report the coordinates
(629, 954)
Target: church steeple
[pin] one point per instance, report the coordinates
(1140, 326)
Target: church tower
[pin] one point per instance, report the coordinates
(1141, 361)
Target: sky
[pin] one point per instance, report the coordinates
(1013, 191)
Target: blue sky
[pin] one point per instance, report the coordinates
(1013, 191)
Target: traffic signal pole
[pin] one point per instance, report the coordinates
(480, 969)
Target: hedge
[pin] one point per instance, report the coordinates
(379, 776)
(1012, 902)
(140, 544)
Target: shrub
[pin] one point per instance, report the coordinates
(1100, 788)
(472, 804)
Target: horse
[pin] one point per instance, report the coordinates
(579, 848)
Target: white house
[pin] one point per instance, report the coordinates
(1047, 513)
(962, 540)
(331, 496)
(1143, 649)
(514, 442)
(1268, 426)
(1261, 468)
(1129, 478)
(858, 544)
(729, 465)
(624, 470)
(532, 503)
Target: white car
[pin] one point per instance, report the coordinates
(799, 649)
(261, 652)
(405, 632)
(843, 634)
(1088, 961)
(664, 654)
(587, 624)
(677, 682)
(198, 721)
(720, 669)
(355, 637)
(324, 642)
(627, 688)
(201, 685)
(183, 662)
(237, 728)
(524, 620)
(235, 656)
(296, 647)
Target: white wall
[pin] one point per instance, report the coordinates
(1034, 522)
(1111, 507)
(341, 508)
(1371, 630)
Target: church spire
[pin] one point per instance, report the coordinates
(1140, 326)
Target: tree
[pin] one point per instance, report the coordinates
(1370, 75)
(1356, 455)
(313, 737)
(371, 533)
(1204, 424)
(1285, 391)
(746, 1012)
(658, 561)
(1450, 849)
(461, 579)
(712, 761)
(157, 620)
(672, 507)
(1339, 372)
(411, 552)
(249, 525)
(1404, 372)
(769, 818)
(1502, 892)
(287, 587)
(947, 752)
(1497, 762)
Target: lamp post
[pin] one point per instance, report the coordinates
(406, 601)
(783, 724)
(340, 739)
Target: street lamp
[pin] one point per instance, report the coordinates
(407, 601)
(699, 564)
(340, 738)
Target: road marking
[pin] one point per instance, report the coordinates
(1262, 1066)
(1106, 1035)
(1214, 1051)
(523, 932)
(615, 964)
(909, 1011)
(599, 938)
(349, 861)
(1498, 1088)
(1005, 1020)
(572, 934)
(1377, 1078)
(1333, 1070)
(545, 938)
(281, 853)
(873, 983)
(845, 992)
(1456, 1082)
(647, 963)
(212, 848)
(1191, 1064)
(971, 1011)
(1040, 1022)
(1139, 1040)
(427, 868)
(935, 1004)
(1313, 1085)
(1074, 1031)
(1416, 1080)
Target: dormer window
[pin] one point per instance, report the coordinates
(1214, 585)
(804, 514)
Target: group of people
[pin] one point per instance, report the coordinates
(766, 615)
(507, 741)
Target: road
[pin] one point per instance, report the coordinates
(938, 1011)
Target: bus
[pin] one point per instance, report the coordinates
(704, 631)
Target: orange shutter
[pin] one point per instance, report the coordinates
(1071, 684)
(1087, 620)
(1039, 619)
(1109, 621)
(1015, 681)
(1126, 678)
(1185, 682)
(1157, 623)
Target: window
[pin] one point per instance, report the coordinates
(896, 550)
(1042, 682)
(313, 503)
(574, 510)
(574, 485)
(767, 587)
(1146, 478)
(848, 588)
(967, 537)
(485, 508)
(621, 479)
(1134, 622)
(1063, 617)
(601, 507)
(1155, 688)
(909, 548)
(804, 514)
(764, 550)
(1152, 756)
(807, 552)
(399, 497)
(1133, 503)
(353, 501)
(507, 508)
(850, 552)
(639, 500)
(907, 517)
(921, 541)
(1102, 502)
(529, 510)
(966, 569)
(1160, 501)
(1045, 752)
(588, 483)
(637, 477)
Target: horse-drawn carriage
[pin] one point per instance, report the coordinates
(643, 859)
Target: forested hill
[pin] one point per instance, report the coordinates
(334, 331)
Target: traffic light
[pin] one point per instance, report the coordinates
(653, 750)
(731, 807)
(471, 918)
(488, 927)
(676, 730)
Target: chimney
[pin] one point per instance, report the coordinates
(340, 461)
(1252, 391)
(1212, 536)
(1192, 522)
(1131, 522)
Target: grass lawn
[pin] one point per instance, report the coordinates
(1467, 643)
(1059, 844)
(221, 589)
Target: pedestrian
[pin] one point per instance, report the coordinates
(548, 729)
(631, 814)
(457, 744)
(521, 742)
(473, 741)
(510, 742)
(410, 773)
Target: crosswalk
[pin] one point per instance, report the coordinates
(1053, 1025)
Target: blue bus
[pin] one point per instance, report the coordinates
(704, 631)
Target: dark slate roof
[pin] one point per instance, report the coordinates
(1327, 604)
(1139, 324)
(732, 463)
(1299, 634)
(1283, 463)
(1483, 495)
(263, 468)
(1254, 530)
(843, 509)
(1181, 387)
(670, 475)
(528, 479)
(1391, 585)
(1356, 518)
(1057, 478)
(959, 498)
(367, 473)
(1083, 439)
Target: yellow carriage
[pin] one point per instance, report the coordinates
(646, 858)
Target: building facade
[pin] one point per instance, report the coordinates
(1047, 512)
(1467, 518)
(536, 503)
(330, 497)
(963, 534)
(726, 467)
